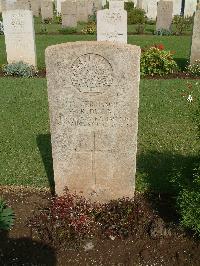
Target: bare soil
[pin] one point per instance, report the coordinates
(162, 243)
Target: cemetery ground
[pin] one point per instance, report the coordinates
(167, 148)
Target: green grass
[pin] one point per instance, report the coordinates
(180, 45)
(167, 141)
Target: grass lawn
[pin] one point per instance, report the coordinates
(167, 133)
(180, 45)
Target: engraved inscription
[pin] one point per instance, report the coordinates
(92, 73)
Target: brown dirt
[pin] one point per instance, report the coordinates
(156, 245)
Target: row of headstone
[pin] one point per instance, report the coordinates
(112, 23)
(150, 7)
(19, 36)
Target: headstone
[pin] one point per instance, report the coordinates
(112, 25)
(47, 9)
(164, 15)
(195, 49)
(58, 6)
(116, 4)
(93, 92)
(35, 6)
(82, 10)
(151, 9)
(23, 4)
(190, 7)
(19, 36)
(69, 14)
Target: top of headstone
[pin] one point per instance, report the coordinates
(51, 49)
(116, 4)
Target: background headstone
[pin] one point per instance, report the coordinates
(35, 7)
(190, 7)
(69, 14)
(19, 36)
(112, 25)
(82, 10)
(164, 15)
(93, 92)
(195, 49)
(47, 9)
(116, 4)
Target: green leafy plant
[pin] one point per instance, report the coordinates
(68, 30)
(6, 216)
(58, 19)
(189, 205)
(181, 24)
(156, 61)
(43, 29)
(136, 16)
(128, 6)
(194, 69)
(47, 21)
(19, 69)
(89, 29)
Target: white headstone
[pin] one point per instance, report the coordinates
(190, 7)
(112, 25)
(19, 36)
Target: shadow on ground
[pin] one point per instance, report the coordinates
(164, 176)
(182, 63)
(44, 145)
(24, 251)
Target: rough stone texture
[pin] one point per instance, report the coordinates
(164, 15)
(47, 9)
(112, 25)
(13, 5)
(116, 4)
(69, 14)
(19, 36)
(82, 10)
(35, 6)
(195, 49)
(93, 92)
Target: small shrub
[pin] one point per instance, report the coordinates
(43, 29)
(150, 22)
(189, 205)
(58, 19)
(136, 16)
(163, 32)
(47, 21)
(1, 28)
(156, 61)
(181, 24)
(67, 30)
(194, 69)
(128, 6)
(140, 28)
(70, 219)
(89, 29)
(19, 69)
(6, 216)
